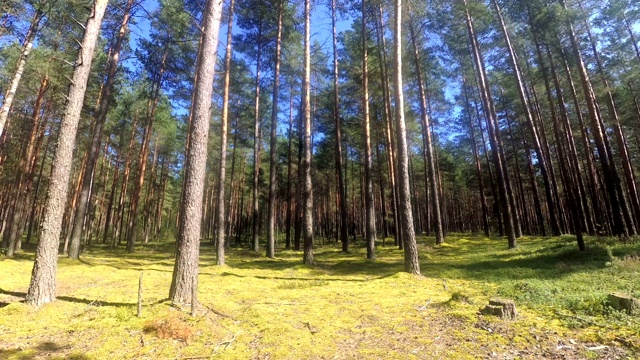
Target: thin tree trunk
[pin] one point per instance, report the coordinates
(272, 235)
(220, 236)
(427, 144)
(342, 195)
(255, 242)
(27, 45)
(411, 261)
(307, 194)
(493, 130)
(611, 178)
(370, 216)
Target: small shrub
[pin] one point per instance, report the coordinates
(170, 327)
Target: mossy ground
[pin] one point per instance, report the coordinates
(345, 307)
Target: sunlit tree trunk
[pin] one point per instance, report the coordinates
(96, 139)
(307, 193)
(43, 278)
(427, 145)
(185, 271)
(272, 235)
(498, 159)
(27, 45)
(411, 262)
(342, 195)
(220, 231)
(370, 216)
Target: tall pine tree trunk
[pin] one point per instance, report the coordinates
(427, 144)
(307, 193)
(185, 271)
(220, 235)
(42, 288)
(370, 216)
(411, 261)
(273, 156)
(96, 139)
(342, 195)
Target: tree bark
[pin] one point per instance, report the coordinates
(43, 278)
(94, 146)
(220, 231)
(307, 193)
(370, 216)
(411, 261)
(188, 244)
(432, 182)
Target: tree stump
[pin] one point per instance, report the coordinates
(503, 308)
(624, 302)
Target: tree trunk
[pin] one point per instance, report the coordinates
(188, 244)
(307, 193)
(478, 165)
(272, 234)
(27, 45)
(370, 216)
(342, 195)
(220, 235)
(94, 146)
(389, 140)
(411, 261)
(255, 242)
(611, 178)
(493, 130)
(427, 145)
(43, 279)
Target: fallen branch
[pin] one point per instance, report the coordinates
(227, 343)
(424, 307)
(220, 313)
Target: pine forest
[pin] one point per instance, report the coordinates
(319, 179)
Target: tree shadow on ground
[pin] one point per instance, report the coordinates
(97, 302)
(44, 349)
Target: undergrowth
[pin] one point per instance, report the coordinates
(343, 307)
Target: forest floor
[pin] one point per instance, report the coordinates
(345, 307)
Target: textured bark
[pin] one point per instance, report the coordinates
(96, 139)
(307, 188)
(255, 242)
(273, 156)
(220, 235)
(43, 278)
(188, 244)
(431, 183)
(411, 261)
(370, 215)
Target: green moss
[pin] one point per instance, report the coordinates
(345, 306)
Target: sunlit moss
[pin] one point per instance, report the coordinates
(345, 306)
